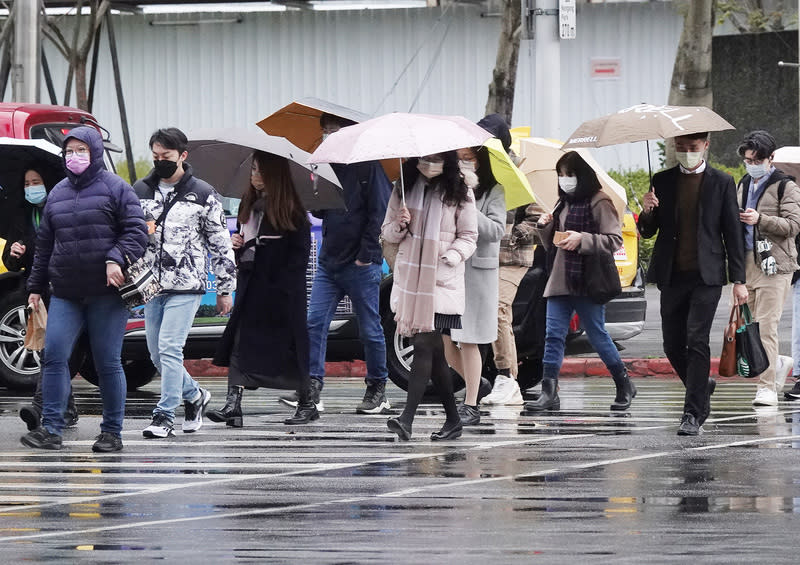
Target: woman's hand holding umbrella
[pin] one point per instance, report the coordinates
(649, 201)
(17, 249)
(544, 219)
(403, 218)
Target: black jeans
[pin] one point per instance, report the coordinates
(688, 306)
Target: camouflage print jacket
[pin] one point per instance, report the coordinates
(516, 247)
(193, 234)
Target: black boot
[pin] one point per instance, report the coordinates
(71, 415)
(231, 413)
(626, 391)
(306, 407)
(548, 400)
(32, 414)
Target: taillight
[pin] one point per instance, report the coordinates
(574, 324)
(134, 325)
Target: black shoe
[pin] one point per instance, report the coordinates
(40, 438)
(31, 416)
(689, 425)
(470, 415)
(448, 431)
(793, 394)
(626, 391)
(71, 418)
(231, 413)
(484, 389)
(710, 387)
(304, 414)
(316, 388)
(374, 400)
(402, 429)
(548, 400)
(107, 442)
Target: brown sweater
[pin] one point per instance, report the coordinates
(688, 189)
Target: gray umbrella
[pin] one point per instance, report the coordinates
(223, 157)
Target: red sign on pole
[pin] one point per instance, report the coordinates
(606, 67)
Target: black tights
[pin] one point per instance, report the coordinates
(429, 363)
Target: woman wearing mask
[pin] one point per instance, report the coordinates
(480, 279)
(91, 228)
(19, 257)
(590, 221)
(770, 216)
(265, 343)
(437, 232)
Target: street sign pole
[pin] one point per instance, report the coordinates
(27, 51)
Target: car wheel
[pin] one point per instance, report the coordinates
(138, 372)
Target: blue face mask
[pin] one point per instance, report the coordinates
(35, 194)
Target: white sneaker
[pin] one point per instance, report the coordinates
(505, 392)
(783, 368)
(160, 427)
(765, 397)
(193, 412)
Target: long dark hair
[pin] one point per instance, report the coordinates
(486, 180)
(452, 186)
(283, 209)
(572, 164)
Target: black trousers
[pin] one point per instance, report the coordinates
(688, 306)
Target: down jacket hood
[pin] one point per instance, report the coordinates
(94, 140)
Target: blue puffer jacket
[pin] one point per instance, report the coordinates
(89, 219)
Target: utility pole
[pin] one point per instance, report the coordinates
(547, 60)
(27, 51)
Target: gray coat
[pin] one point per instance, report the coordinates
(479, 322)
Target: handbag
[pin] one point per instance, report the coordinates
(37, 324)
(389, 252)
(727, 360)
(751, 357)
(601, 277)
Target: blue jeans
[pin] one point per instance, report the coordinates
(104, 317)
(362, 285)
(593, 320)
(167, 320)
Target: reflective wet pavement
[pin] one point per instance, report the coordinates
(583, 485)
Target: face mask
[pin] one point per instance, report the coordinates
(430, 169)
(35, 194)
(257, 181)
(757, 171)
(466, 166)
(165, 168)
(77, 162)
(689, 159)
(568, 184)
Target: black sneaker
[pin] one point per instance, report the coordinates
(316, 387)
(793, 394)
(160, 427)
(689, 425)
(40, 438)
(374, 400)
(470, 416)
(107, 442)
(31, 416)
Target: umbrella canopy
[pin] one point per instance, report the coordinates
(17, 156)
(399, 135)
(643, 122)
(539, 157)
(223, 157)
(787, 159)
(517, 188)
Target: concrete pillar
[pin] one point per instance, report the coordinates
(27, 51)
(547, 60)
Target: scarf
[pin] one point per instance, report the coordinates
(415, 267)
(579, 218)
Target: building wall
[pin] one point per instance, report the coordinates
(232, 75)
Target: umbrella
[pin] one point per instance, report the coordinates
(517, 188)
(299, 123)
(16, 156)
(539, 157)
(787, 159)
(223, 157)
(399, 135)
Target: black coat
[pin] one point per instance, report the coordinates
(269, 313)
(719, 233)
(21, 230)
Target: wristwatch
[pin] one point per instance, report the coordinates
(224, 293)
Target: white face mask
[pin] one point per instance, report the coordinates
(466, 166)
(757, 171)
(568, 184)
(430, 169)
(689, 159)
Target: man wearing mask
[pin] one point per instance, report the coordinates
(770, 218)
(350, 263)
(692, 206)
(190, 227)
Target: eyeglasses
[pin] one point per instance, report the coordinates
(79, 151)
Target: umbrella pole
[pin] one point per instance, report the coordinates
(402, 184)
(649, 167)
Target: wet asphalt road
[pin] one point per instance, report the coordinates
(579, 486)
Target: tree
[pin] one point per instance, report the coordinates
(754, 16)
(504, 77)
(77, 51)
(691, 74)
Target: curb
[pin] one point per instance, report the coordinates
(572, 367)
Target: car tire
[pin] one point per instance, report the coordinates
(20, 369)
(138, 372)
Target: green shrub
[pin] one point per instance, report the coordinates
(142, 167)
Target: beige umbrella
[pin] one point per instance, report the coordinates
(787, 159)
(539, 157)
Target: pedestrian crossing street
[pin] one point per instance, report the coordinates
(278, 474)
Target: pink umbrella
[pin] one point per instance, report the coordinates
(399, 135)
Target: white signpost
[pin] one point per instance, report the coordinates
(567, 20)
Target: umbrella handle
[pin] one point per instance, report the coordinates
(402, 184)
(314, 178)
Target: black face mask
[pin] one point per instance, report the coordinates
(165, 168)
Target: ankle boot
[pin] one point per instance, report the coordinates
(231, 413)
(549, 398)
(626, 391)
(71, 415)
(306, 412)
